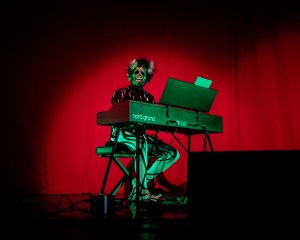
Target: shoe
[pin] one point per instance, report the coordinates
(151, 197)
(145, 196)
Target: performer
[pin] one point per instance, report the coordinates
(140, 71)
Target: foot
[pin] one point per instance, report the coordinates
(145, 196)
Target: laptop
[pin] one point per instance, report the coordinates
(187, 95)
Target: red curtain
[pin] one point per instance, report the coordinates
(62, 65)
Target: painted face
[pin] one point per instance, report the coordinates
(138, 77)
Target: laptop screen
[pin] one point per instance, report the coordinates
(187, 95)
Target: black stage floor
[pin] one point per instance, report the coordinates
(230, 194)
(75, 216)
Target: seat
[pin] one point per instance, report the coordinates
(121, 151)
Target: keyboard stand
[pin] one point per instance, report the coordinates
(207, 139)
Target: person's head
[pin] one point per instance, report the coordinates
(140, 71)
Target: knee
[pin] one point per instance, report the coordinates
(176, 155)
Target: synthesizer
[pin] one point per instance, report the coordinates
(150, 116)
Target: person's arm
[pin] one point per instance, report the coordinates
(118, 96)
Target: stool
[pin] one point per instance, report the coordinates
(121, 151)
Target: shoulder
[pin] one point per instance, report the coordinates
(120, 94)
(121, 90)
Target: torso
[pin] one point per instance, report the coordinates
(132, 93)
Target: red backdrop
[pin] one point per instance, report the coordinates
(62, 65)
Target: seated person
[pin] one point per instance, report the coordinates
(140, 71)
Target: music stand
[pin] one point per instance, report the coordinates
(187, 95)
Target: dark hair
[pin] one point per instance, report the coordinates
(141, 62)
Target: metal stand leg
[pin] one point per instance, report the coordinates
(137, 164)
(207, 139)
(109, 162)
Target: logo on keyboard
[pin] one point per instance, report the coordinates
(181, 123)
(143, 117)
